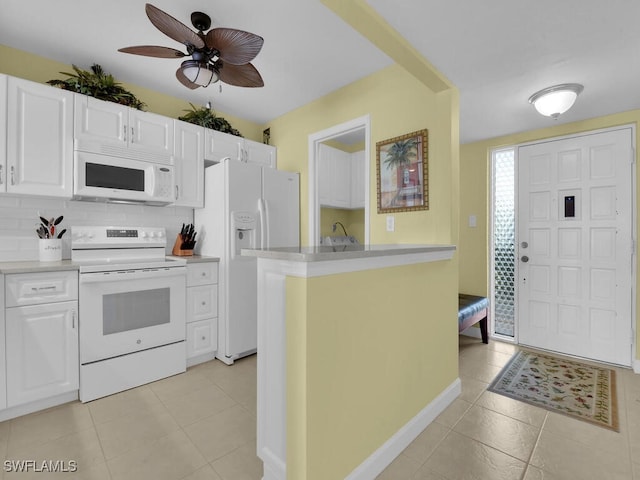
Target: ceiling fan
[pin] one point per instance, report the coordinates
(219, 54)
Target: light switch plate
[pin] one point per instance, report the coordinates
(391, 223)
(472, 221)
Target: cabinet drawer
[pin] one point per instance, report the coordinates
(202, 302)
(202, 273)
(44, 287)
(202, 337)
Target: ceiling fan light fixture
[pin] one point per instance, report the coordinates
(554, 101)
(200, 73)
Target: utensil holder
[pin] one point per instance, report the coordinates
(178, 251)
(50, 249)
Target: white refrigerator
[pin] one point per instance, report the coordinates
(245, 206)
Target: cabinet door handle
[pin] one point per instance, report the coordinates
(177, 192)
(73, 320)
(124, 131)
(132, 135)
(13, 171)
(45, 288)
(1, 175)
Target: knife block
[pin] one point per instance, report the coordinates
(178, 251)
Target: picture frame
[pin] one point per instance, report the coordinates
(402, 173)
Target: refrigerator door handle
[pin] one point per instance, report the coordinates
(264, 222)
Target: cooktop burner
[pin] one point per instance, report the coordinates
(104, 249)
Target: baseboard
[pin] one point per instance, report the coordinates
(383, 456)
(20, 410)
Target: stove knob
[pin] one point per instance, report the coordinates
(160, 234)
(143, 235)
(152, 234)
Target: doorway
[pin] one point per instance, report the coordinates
(562, 256)
(353, 132)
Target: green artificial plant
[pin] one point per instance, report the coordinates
(207, 118)
(96, 83)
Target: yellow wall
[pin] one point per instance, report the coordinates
(397, 104)
(351, 358)
(359, 370)
(39, 69)
(353, 221)
(475, 194)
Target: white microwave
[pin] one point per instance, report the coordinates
(100, 177)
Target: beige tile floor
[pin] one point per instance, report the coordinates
(201, 426)
(482, 435)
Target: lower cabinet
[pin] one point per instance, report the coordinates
(202, 312)
(41, 335)
(42, 351)
(3, 358)
(202, 337)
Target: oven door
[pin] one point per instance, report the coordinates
(131, 310)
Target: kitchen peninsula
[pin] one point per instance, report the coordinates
(357, 354)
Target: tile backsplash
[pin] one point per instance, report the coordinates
(19, 220)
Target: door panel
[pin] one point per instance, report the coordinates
(574, 216)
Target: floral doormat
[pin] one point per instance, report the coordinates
(564, 386)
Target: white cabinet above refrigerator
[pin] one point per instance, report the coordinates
(220, 145)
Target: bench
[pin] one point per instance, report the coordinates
(471, 310)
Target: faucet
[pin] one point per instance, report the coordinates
(333, 228)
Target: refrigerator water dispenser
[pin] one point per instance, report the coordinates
(243, 225)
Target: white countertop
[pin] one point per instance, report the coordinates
(342, 252)
(30, 266)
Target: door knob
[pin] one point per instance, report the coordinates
(524, 258)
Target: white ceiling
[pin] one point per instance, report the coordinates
(497, 52)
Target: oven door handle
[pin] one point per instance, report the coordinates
(97, 277)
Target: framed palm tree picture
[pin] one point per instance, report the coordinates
(402, 167)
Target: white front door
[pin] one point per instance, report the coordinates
(575, 245)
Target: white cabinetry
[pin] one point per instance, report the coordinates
(41, 315)
(220, 145)
(117, 129)
(202, 312)
(39, 129)
(341, 181)
(189, 164)
(358, 179)
(3, 141)
(3, 366)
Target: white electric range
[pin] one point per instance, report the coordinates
(131, 308)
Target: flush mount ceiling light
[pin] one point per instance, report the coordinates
(554, 101)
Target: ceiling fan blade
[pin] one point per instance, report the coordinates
(235, 46)
(184, 80)
(241, 75)
(153, 51)
(173, 28)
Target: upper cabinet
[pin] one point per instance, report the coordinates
(358, 180)
(39, 129)
(341, 178)
(117, 128)
(189, 163)
(220, 145)
(3, 134)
